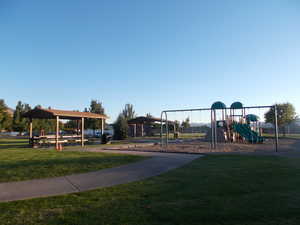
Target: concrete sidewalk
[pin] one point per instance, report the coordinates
(157, 164)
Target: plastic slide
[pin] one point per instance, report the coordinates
(245, 131)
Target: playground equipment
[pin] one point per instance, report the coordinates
(234, 127)
(229, 125)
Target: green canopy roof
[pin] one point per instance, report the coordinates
(218, 105)
(236, 105)
(252, 118)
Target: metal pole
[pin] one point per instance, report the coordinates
(276, 128)
(57, 132)
(215, 125)
(223, 117)
(167, 130)
(161, 129)
(212, 130)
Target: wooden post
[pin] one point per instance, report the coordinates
(57, 132)
(77, 124)
(134, 130)
(82, 131)
(30, 132)
(102, 126)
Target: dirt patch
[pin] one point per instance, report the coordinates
(200, 146)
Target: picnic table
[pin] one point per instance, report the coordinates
(47, 140)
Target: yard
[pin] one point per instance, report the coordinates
(216, 189)
(18, 162)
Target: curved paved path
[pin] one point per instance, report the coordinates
(157, 164)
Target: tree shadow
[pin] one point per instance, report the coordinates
(13, 144)
(64, 161)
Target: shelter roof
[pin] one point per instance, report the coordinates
(144, 119)
(41, 113)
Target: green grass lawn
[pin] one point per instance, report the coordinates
(18, 162)
(295, 136)
(191, 135)
(171, 136)
(227, 190)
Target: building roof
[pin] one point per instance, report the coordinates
(40, 113)
(144, 119)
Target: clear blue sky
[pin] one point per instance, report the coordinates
(154, 54)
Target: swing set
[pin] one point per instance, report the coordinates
(227, 124)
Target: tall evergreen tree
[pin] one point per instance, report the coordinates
(120, 128)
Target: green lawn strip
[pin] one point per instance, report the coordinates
(19, 162)
(293, 136)
(228, 190)
(25, 163)
(12, 143)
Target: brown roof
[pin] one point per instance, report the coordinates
(40, 113)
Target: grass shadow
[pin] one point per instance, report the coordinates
(5, 144)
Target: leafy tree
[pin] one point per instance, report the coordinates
(19, 123)
(128, 112)
(95, 107)
(149, 125)
(71, 124)
(120, 128)
(177, 125)
(3, 113)
(148, 115)
(47, 125)
(186, 124)
(7, 122)
(286, 114)
(5, 118)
